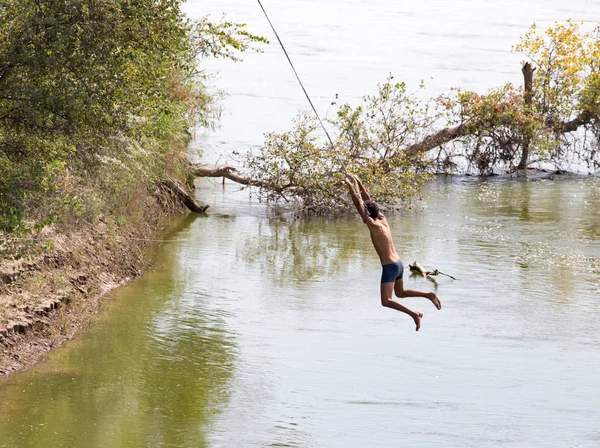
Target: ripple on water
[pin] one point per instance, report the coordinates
(550, 256)
(432, 405)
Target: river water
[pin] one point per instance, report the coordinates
(256, 330)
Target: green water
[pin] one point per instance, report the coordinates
(144, 352)
(257, 330)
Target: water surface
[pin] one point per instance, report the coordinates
(258, 331)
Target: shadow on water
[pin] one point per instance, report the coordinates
(152, 372)
(306, 250)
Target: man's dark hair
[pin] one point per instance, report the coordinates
(372, 209)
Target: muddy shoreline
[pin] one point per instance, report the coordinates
(46, 300)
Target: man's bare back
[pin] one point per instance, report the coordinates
(381, 237)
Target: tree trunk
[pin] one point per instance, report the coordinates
(528, 98)
(178, 191)
(434, 140)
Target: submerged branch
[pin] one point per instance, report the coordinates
(418, 269)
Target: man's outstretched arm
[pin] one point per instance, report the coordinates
(358, 203)
(363, 191)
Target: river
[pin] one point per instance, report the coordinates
(258, 330)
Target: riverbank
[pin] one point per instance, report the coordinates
(46, 300)
(96, 125)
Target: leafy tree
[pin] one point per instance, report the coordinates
(394, 141)
(370, 140)
(553, 118)
(100, 91)
(566, 90)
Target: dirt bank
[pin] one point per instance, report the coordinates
(45, 300)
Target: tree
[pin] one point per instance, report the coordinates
(394, 141)
(565, 92)
(370, 140)
(553, 118)
(98, 93)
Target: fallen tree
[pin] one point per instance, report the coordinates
(175, 189)
(394, 142)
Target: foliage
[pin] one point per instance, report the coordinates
(96, 96)
(559, 121)
(566, 88)
(568, 63)
(224, 40)
(497, 127)
(392, 141)
(299, 165)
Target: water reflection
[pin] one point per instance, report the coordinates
(152, 373)
(307, 250)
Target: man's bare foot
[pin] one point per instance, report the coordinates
(417, 320)
(434, 299)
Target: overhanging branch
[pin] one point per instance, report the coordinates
(227, 172)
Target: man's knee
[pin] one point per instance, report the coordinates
(385, 301)
(400, 293)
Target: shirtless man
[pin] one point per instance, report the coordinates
(381, 236)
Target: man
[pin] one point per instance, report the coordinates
(381, 236)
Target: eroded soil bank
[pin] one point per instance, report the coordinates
(47, 299)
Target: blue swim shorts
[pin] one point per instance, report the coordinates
(392, 272)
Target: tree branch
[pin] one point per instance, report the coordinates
(434, 140)
(574, 124)
(227, 172)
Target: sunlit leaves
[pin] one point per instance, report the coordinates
(105, 87)
(299, 165)
(567, 59)
(504, 131)
(222, 39)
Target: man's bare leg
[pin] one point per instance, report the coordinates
(402, 293)
(387, 291)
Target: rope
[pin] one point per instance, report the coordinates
(297, 77)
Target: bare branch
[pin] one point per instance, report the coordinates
(227, 172)
(432, 141)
